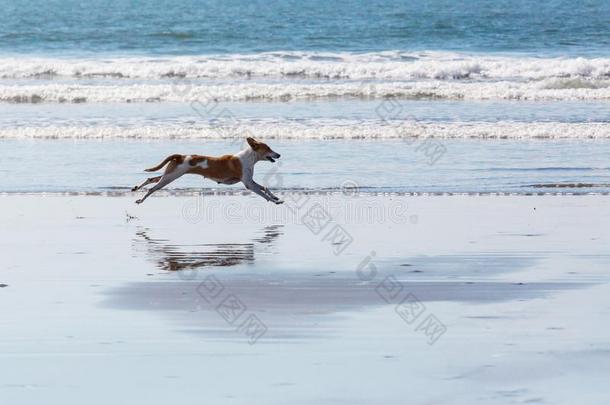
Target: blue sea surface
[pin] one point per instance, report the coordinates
(518, 92)
(192, 27)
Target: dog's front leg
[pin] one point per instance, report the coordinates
(256, 188)
(275, 198)
(260, 190)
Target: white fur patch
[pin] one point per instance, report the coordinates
(203, 164)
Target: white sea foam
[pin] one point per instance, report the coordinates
(300, 75)
(552, 89)
(326, 130)
(368, 66)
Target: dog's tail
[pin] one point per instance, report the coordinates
(166, 161)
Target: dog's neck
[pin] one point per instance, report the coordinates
(248, 157)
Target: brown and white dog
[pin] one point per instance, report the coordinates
(227, 169)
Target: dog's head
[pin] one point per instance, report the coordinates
(263, 152)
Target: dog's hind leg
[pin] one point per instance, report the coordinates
(172, 172)
(147, 182)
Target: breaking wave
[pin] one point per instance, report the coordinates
(292, 91)
(301, 75)
(391, 65)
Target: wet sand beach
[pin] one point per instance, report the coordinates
(461, 299)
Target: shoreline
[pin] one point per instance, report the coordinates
(281, 192)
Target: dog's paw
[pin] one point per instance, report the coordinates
(139, 201)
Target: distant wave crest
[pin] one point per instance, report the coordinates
(391, 65)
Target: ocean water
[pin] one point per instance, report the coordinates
(190, 27)
(464, 76)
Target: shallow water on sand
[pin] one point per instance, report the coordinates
(404, 166)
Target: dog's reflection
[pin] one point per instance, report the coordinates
(175, 257)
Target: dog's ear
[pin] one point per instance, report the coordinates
(252, 142)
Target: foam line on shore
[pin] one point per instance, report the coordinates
(320, 129)
(325, 192)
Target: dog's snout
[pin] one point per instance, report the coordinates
(277, 156)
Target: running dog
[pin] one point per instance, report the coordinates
(227, 169)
